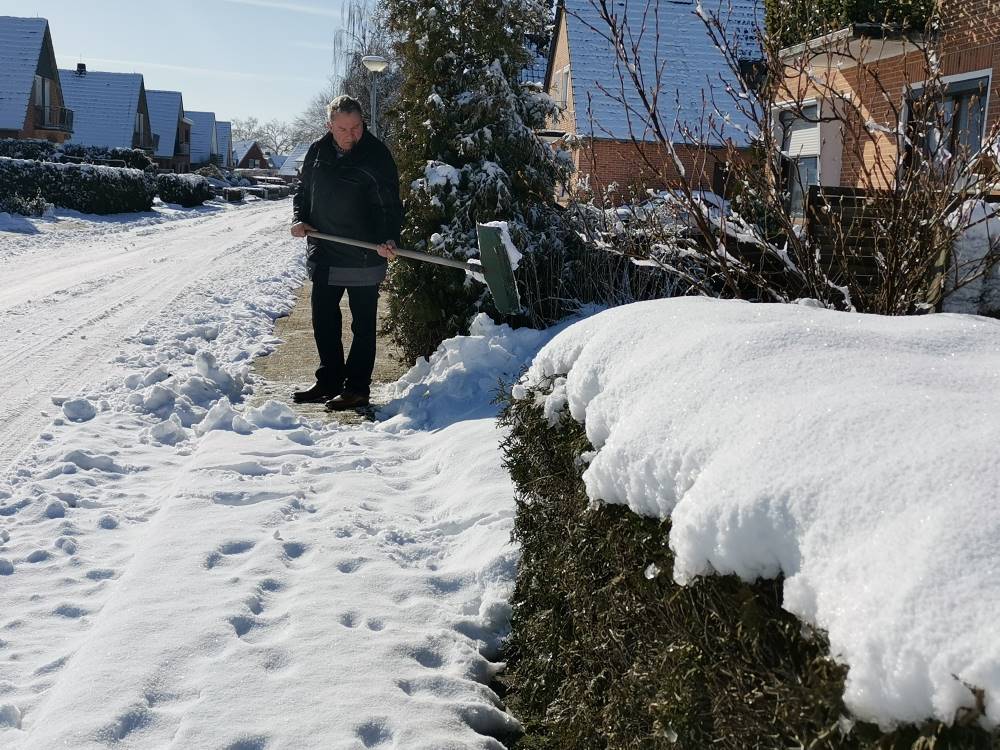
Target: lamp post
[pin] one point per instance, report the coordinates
(375, 64)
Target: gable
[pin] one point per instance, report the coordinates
(22, 41)
(104, 106)
(166, 108)
(203, 139)
(676, 57)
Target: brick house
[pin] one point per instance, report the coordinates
(884, 69)
(249, 155)
(110, 109)
(617, 144)
(166, 115)
(31, 95)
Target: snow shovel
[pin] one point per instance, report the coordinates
(496, 266)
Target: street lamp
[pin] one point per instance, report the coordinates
(375, 64)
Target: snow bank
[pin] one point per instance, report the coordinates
(462, 376)
(853, 454)
(980, 238)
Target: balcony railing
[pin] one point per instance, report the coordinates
(146, 144)
(54, 118)
(183, 149)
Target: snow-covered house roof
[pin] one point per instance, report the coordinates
(224, 137)
(672, 44)
(23, 41)
(293, 162)
(166, 108)
(203, 137)
(240, 149)
(277, 160)
(104, 106)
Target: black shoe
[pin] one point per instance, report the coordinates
(347, 400)
(315, 395)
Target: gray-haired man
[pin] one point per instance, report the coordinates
(350, 188)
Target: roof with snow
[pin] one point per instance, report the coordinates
(294, 161)
(104, 106)
(166, 108)
(224, 138)
(277, 160)
(670, 38)
(203, 136)
(21, 42)
(240, 149)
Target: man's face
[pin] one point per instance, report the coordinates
(346, 128)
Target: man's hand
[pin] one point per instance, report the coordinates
(300, 228)
(387, 250)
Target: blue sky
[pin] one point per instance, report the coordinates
(237, 58)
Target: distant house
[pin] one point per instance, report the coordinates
(249, 155)
(292, 164)
(224, 138)
(110, 109)
(672, 44)
(170, 129)
(31, 96)
(204, 138)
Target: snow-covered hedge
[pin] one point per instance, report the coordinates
(185, 189)
(693, 472)
(40, 150)
(85, 187)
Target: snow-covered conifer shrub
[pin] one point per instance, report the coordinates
(607, 651)
(469, 152)
(186, 189)
(85, 187)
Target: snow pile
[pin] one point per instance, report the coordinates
(462, 376)
(981, 238)
(853, 454)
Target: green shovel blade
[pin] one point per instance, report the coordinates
(497, 271)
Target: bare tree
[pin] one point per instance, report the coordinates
(882, 246)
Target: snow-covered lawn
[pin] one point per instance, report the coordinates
(176, 572)
(854, 454)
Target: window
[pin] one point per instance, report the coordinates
(800, 145)
(952, 126)
(564, 87)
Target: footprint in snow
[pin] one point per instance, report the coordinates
(349, 566)
(375, 733)
(293, 550)
(257, 742)
(226, 550)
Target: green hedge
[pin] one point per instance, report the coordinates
(602, 656)
(186, 189)
(85, 187)
(794, 21)
(39, 150)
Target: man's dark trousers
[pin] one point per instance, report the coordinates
(355, 374)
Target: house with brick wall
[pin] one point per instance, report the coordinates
(681, 69)
(31, 96)
(249, 155)
(883, 71)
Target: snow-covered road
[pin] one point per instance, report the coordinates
(67, 300)
(178, 570)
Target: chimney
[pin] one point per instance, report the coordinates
(81, 69)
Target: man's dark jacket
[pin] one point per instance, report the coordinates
(353, 194)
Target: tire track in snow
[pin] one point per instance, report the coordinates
(121, 281)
